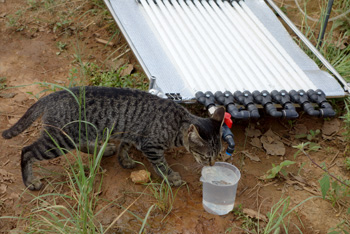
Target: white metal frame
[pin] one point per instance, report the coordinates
(188, 46)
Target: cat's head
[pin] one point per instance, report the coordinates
(204, 137)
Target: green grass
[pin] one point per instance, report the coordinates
(279, 216)
(347, 163)
(115, 78)
(342, 227)
(77, 215)
(163, 194)
(71, 18)
(333, 188)
(279, 219)
(278, 170)
(2, 83)
(335, 48)
(337, 33)
(346, 119)
(248, 224)
(72, 212)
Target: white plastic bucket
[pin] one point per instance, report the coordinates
(219, 187)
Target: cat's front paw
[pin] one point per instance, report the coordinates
(126, 162)
(175, 179)
(34, 185)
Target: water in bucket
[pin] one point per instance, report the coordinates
(219, 187)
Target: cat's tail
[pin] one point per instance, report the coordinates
(34, 112)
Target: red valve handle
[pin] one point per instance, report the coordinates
(228, 120)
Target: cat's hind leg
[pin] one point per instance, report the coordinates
(123, 157)
(42, 149)
(89, 148)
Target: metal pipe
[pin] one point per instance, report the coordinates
(324, 25)
(309, 45)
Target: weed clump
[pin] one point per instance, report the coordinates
(2, 83)
(115, 78)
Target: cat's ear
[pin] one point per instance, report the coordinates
(194, 137)
(219, 114)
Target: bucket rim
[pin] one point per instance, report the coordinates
(226, 165)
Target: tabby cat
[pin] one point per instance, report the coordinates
(150, 123)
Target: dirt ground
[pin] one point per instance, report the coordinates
(31, 55)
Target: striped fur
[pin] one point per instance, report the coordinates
(137, 118)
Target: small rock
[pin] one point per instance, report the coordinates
(7, 95)
(20, 98)
(140, 177)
